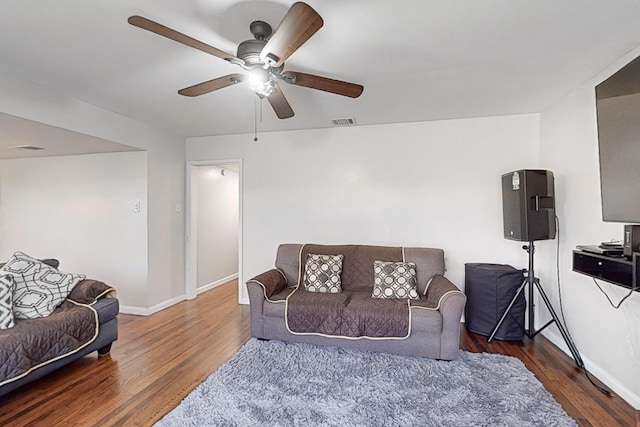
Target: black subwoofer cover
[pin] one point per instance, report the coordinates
(490, 288)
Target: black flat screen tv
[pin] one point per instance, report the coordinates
(618, 111)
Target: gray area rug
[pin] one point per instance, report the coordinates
(272, 383)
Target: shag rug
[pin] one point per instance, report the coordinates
(272, 383)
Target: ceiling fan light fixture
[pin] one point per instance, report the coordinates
(260, 81)
(257, 77)
(265, 89)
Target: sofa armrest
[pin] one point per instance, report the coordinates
(439, 290)
(261, 288)
(450, 302)
(87, 291)
(107, 308)
(272, 282)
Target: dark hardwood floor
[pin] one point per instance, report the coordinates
(560, 376)
(159, 359)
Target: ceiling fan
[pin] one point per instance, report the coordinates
(263, 58)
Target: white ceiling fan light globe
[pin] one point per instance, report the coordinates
(260, 81)
(257, 76)
(265, 89)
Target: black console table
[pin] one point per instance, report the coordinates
(613, 269)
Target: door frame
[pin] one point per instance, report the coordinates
(191, 224)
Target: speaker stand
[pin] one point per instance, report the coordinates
(534, 282)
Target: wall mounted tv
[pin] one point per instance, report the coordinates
(618, 109)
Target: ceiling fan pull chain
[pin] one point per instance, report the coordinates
(255, 119)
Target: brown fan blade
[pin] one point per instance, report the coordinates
(280, 104)
(211, 85)
(297, 26)
(154, 27)
(339, 87)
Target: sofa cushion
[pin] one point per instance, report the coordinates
(49, 261)
(52, 262)
(6, 301)
(357, 271)
(37, 342)
(322, 273)
(348, 314)
(39, 288)
(394, 280)
(423, 319)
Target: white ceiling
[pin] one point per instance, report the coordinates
(417, 59)
(16, 132)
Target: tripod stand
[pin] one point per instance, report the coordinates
(533, 281)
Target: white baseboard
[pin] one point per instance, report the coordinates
(132, 309)
(630, 397)
(219, 282)
(147, 311)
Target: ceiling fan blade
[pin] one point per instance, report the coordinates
(154, 27)
(211, 85)
(326, 84)
(297, 26)
(280, 104)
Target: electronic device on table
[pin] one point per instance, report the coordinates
(602, 250)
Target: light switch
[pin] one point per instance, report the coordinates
(178, 208)
(136, 207)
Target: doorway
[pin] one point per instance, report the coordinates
(213, 249)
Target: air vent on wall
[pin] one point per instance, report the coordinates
(27, 147)
(349, 121)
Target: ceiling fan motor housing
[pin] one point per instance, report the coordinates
(249, 51)
(260, 30)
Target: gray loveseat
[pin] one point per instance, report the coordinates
(433, 320)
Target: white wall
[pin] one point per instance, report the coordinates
(217, 197)
(80, 210)
(165, 174)
(434, 184)
(608, 339)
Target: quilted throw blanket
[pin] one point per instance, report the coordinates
(35, 342)
(351, 314)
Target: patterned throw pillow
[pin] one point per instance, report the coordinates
(322, 273)
(6, 301)
(394, 280)
(39, 288)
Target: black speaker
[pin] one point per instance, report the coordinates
(528, 205)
